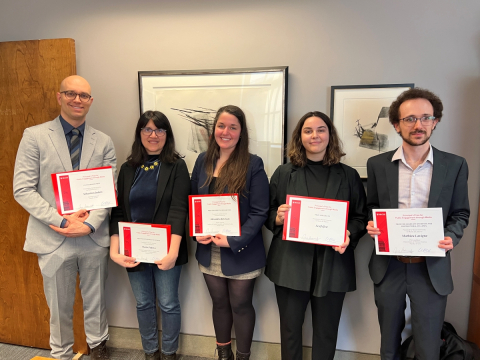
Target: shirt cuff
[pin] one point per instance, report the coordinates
(62, 224)
(90, 226)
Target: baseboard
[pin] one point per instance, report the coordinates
(204, 346)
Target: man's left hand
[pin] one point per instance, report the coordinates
(446, 243)
(76, 227)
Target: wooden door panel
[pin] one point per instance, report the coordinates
(30, 75)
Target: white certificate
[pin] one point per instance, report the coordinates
(316, 221)
(88, 189)
(214, 214)
(409, 232)
(145, 242)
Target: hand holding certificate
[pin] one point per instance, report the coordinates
(214, 214)
(145, 242)
(409, 232)
(316, 221)
(88, 189)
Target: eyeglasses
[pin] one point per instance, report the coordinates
(72, 95)
(159, 132)
(424, 120)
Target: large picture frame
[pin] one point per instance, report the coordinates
(360, 115)
(190, 100)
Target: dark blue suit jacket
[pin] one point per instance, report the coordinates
(246, 252)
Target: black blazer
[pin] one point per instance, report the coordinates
(171, 206)
(448, 190)
(290, 263)
(246, 252)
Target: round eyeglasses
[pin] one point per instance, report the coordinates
(424, 120)
(159, 132)
(72, 95)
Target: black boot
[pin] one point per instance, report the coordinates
(225, 352)
(242, 356)
(154, 356)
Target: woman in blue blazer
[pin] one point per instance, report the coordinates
(231, 264)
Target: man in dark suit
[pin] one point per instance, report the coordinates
(416, 175)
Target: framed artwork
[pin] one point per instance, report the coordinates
(190, 100)
(360, 114)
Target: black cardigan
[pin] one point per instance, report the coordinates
(171, 206)
(289, 263)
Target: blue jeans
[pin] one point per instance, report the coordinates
(148, 285)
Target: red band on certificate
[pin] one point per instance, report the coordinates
(198, 215)
(295, 218)
(127, 241)
(66, 193)
(381, 217)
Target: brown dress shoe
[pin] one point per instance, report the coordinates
(100, 351)
(169, 357)
(154, 356)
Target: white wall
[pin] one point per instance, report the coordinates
(435, 44)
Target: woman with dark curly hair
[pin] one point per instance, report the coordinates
(153, 188)
(304, 272)
(230, 264)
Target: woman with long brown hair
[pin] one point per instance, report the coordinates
(304, 272)
(230, 264)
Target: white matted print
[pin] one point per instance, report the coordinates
(360, 115)
(190, 101)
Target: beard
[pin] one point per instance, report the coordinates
(415, 143)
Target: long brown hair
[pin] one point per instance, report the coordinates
(233, 173)
(296, 150)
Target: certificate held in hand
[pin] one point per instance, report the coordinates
(87, 189)
(409, 232)
(316, 221)
(145, 242)
(214, 214)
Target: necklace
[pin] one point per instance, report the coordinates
(150, 167)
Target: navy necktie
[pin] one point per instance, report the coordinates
(75, 149)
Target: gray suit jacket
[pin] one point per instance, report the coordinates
(42, 151)
(448, 190)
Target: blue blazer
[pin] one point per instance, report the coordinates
(246, 252)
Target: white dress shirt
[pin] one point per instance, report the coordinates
(413, 185)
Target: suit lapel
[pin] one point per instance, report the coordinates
(163, 177)
(89, 140)
(128, 181)
(333, 183)
(391, 174)
(298, 183)
(438, 177)
(57, 136)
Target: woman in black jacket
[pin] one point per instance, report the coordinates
(305, 272)
(153, 187)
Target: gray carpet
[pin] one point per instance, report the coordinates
(14, 352)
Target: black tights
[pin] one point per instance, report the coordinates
(232, 305)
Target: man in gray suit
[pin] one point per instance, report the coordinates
(416, 175)
(72, 243)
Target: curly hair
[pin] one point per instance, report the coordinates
(296, 150)
(415, 93)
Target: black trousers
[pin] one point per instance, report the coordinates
(326, 312)
(428, 310)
